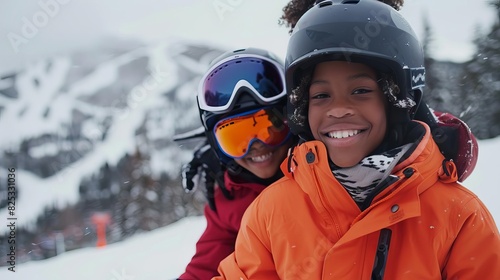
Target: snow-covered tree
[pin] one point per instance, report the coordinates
(482, 83)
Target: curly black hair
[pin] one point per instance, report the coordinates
(296, 8)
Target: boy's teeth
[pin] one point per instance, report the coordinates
(261, 158)
(343, 133)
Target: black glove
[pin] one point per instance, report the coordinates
(203, 171)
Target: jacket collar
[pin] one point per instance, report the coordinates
(233, 183)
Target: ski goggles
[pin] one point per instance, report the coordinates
(219, 87)
(237, 133)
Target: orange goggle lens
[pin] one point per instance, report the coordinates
(236, 134)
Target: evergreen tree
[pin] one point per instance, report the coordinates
(431, 95)
(123, 206)
(482, 83)
(442, 78)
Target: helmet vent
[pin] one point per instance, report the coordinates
(350, 2)
(325, 3)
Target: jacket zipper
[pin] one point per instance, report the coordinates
(384, 241)
(382, 186)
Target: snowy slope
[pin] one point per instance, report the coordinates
(71, 115)
(159, 254)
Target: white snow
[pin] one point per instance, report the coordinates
(159, 254)
(163, 253)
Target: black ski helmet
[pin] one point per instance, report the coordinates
(360, 31)
(243, 99)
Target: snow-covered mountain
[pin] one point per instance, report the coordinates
(63, 118)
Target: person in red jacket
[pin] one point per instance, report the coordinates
(367, 194)
(242, 101)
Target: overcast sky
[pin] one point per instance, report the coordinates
(31, 30)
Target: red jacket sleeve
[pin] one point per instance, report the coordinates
(218, 240)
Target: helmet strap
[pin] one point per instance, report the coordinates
(234, 168)
(397, 121)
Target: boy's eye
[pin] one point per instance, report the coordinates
(361, 91)
(318, 95)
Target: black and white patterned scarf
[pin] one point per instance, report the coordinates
(361, 179)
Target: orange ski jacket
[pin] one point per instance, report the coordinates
(424, 225)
